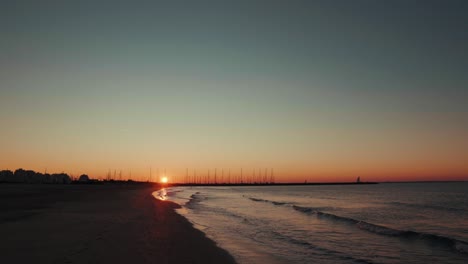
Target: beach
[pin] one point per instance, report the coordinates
(103, 223)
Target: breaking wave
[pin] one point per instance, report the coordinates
(460, 246)
(290, 204)
(195, 199)
(331, 252)
(268, 201)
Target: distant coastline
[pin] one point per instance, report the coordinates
(33, 177)
(272, 184)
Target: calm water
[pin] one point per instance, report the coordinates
(384, 223)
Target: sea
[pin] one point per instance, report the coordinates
(359, 223)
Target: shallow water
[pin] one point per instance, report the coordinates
(384, 223)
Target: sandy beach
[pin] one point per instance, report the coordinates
(97, 224)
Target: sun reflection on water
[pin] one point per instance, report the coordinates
(161, 194)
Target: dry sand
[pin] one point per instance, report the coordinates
(97, 224)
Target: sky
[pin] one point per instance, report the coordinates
(316, 90)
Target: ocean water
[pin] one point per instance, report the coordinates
(383, 223)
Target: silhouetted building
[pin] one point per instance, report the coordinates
(84, 178)
(29, 176)
(6, 176)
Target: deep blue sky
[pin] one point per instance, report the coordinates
(313, 88)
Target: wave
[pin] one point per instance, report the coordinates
(427, 206)
(257, 199)
(458, 245)
(288, 203)
(330, 252)
(195, 199)
(194, 203)
(268, 201)
(170, 192)
(312, 209)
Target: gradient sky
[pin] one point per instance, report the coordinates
(317, 90)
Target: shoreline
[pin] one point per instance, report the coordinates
(98, 224)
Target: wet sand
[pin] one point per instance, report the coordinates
(97, 224)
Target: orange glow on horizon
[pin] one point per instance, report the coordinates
(291, 172)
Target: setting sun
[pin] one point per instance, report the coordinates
(164, 179)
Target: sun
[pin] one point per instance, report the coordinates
(164, 179)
